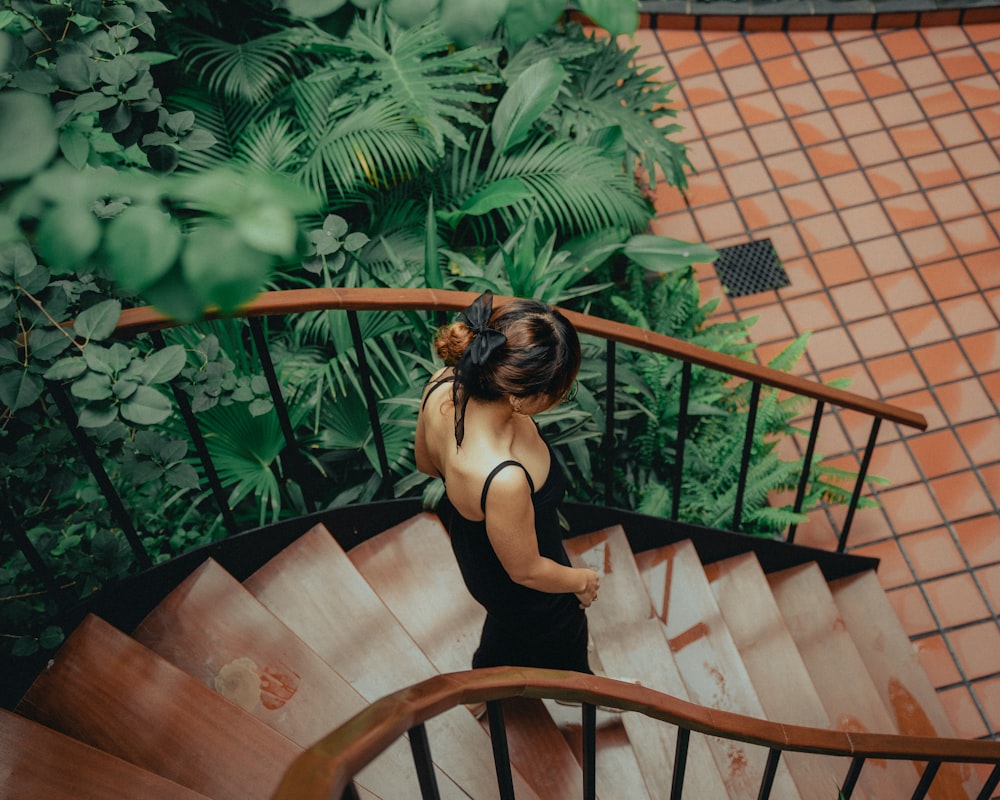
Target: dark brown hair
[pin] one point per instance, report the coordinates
(541, 356)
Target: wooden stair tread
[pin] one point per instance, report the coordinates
(897, 673)
(775, 666)
(630, 644)
(314, 589)
(707, 659)
(839, 673)
(413, 571)
(38, 763)
(211, 627)
(110, 692)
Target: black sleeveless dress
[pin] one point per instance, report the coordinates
(524, 627)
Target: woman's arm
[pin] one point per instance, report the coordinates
(510, 525)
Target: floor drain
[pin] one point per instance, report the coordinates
(750, 268)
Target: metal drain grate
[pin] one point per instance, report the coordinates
(750, 268)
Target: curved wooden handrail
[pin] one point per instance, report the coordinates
(293, 301)
(325, 769)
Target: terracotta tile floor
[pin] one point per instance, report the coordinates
(869, 158)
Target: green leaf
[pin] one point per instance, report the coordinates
(67, 235)
(19, 388)
(183, 476)
(76, 71)
(47, 343)
(8, 354)
(663, 254)
(221, 268)
(615, 16)
(92, 386)
(75, 147)
(268, 228)
(500, 194)
(141, 244)
(89, 102)
(467, 22)
(66, 369)
(25, 646)
(98, 415)
(146, 407)
(98, 322)
(409, 13)
(29, 275)
(164, 365)
(531, 93)
(525, 19)
(51, 637)
(28, 138)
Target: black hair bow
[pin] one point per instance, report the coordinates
(485, 341)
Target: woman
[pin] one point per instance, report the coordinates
(503, 367)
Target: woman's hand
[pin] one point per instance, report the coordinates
(589, 593)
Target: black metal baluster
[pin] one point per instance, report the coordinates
(926, 779)
(184, 404)
(869, 452)
(745, 462)
(370, 401)
(806, 466)
(680, 763)
(609, 423)
(851, 779)
(991, 783)
(682, 423)
(770, 770)
(501, 755)
(588, 713)
(296, 464)
(24, 544)
(421, 750)
(93, 459)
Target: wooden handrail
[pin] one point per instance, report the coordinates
(293, 301)
(326, 768)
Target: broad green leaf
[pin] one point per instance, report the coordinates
(467, 22)
(8, 354)
(19, 388)
(76, 71)
(663, 254)
(35, 81)
(67, 235)
(124, 388)
(88, 102)
(141, 244)
(183, 476)
(146, 407)
(98, 415)
(269, 228)
(75, 147)
(29, 275)
(409, 13)
(615, 16)
(525, 19)
(28, 137)
(221, 268)
(504, 192)
(66, 369)
(526, 99)
(92, 386)
(433, 278)
(47, 343)
(98, 322)
(51, 637)
(24, 646)
(164, 365)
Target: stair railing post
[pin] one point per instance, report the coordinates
(680, 763)
(859, 485)
(25, 545)
(198, 439)
(926, 779)
(991, 783)
(90, 455)
(608, 445)
(770, 770)
(588, 713)
(501, 753)
(682, 425)
(421, 750)
(851, 779)
(371, 401)
(745, 461)
(800, 494)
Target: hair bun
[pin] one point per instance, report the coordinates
(451, 341)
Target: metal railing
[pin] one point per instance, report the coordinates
(326, 770)
(354, 302)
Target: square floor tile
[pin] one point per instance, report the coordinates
(848, 189)
(759, 108)
(937, 661)
(983, 350)
(921, 71)
(840, 90)
(965, 401)
(891, 180)
(932, 554)
(916, 139)
(902, 290)
(921, 325)
(987, 192)
(801, 273)
(857, 118)
(806, 199)
(789, 168)
(982, 442)
(730, 53)
(801, 98)
(744, 80)
(961, 63)
(939, 453)
(910, 211)
(679, 225)
(968, 314)
(942, 362)
(858, 300)
(934, 169)
(816, 128)
(866, 222)
(947, 279)
(911, 608)
(831, 348)
(769, 44)
(785, 71)
(895, 374)
(748, 178)
(706, 188)
(883, 255)
(963, 712)
(952, 202)
(937, 101)
(961, 495)
(876, 337)
(892, 571)
(772, 325)
(927, 245)
(976, 159)
(774, 137)
(762, 210)
(981, 90)
(811, 312)
(948, 37)
(867, 52)
(904, 43)
(988, 693)
(703, 89)
(979, 538)
(922, 402)
(787, 244)
(732, 148)
(822, 232)
(839, 266)
(892, 460)
(988, 120)
(718, 117)
(832, 158)
(690, 61)
(719, 221)
(881, 81)
(977, 647)
(955, 130)
(956, 600)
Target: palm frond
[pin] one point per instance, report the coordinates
(249, 71)
(225, 120)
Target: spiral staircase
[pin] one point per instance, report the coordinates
(735, 668)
